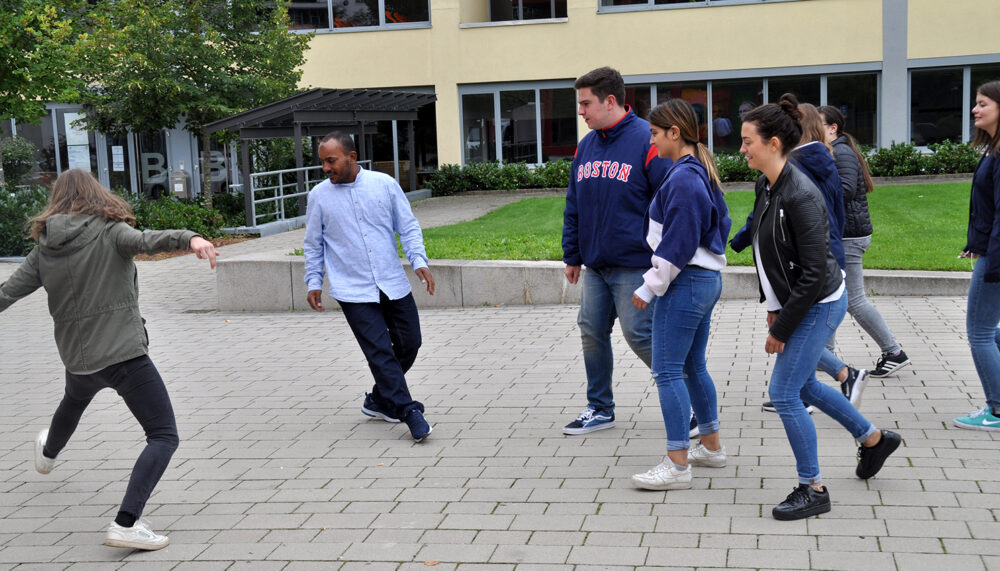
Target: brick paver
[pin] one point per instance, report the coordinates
(277, 468)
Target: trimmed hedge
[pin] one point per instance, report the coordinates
(896, 160)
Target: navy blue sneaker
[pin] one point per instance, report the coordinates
(419, 429)
(375, 411)
(589, 421)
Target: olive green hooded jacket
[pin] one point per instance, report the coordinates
(84, 262)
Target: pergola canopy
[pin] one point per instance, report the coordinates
(317, 111)
(314, 114)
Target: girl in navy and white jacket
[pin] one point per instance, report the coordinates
(688, 226)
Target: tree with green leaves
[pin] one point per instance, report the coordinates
(156, 63)
(38, 57)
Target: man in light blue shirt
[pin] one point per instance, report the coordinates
(351, 226)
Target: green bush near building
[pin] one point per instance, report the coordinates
(16, 209)
(18, 159)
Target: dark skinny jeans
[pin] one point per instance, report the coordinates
(138, 382)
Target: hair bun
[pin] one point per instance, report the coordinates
(790, 105)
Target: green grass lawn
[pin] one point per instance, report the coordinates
(917, 227)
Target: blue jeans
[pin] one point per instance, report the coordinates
(794, 380)
(981, 319)
(139, 384)
(681, 322)
(607, 294)
(830, 363)
(389, 335)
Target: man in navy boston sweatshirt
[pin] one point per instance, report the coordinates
(614, 176)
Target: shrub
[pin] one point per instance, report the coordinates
(18, 159)
(167, 213)
(483, 176)
(734, 168)
(554, 174)
(16, 208)
(231, 207)
(900, 159)
(448, 180)
(949, 157)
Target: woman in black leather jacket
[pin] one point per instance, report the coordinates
(801, 285)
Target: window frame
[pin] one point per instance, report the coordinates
(651, 5)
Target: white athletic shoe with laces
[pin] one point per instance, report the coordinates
(139, 536)
(701, 456)
(663, 476)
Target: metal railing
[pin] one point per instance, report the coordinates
(279, 187)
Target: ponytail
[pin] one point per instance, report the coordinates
(706, 159)
(833, 116)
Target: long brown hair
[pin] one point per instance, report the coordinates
(812, 126)
(76, 191)
(679, 113)
(833, 116)
(983, 140)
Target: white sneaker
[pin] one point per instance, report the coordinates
(701, 456)
(663, 476)
(139, 536)
(43, 464)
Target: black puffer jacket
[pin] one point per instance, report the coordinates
(858, 223)
(793, 246)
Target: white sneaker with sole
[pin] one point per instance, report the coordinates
(139, 536)
(663, 476)
(701, 456)
(43, 464)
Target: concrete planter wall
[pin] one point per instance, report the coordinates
(274, 282)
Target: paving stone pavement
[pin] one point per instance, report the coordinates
(278, 469)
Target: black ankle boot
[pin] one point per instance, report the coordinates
(803, 502)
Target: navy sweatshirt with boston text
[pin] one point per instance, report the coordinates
(614, 176)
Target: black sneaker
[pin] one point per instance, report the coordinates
(871, 459)
(419, 429)
(803, 502)
(768, 406)
(854, 385)
(889, 364)
(693, 428)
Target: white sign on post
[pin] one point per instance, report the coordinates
(117, 158)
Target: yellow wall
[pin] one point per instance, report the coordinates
(952, 28)
(752, 36)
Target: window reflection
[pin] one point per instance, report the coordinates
(856, 95)
(695, 93)
(477, 128)
(731, 100)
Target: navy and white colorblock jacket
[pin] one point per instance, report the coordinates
(688, 224)
(614, 176)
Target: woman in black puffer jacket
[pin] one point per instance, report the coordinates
(856, 182)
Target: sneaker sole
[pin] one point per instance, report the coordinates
(976, 426)
(786, 516)
(888, 372)
(135, 544)
(859, 388)
(707, 462)
(810, 409)
(588, 429)
(662, 487)
(379, 415)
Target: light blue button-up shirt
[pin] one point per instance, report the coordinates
(351, 230)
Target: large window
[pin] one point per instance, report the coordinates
(345, 14)
(647, 4)
(805, 88)
(695, 93)
(531, 125)
(856, 95)
(730, 102)
(936, 105)
(478, 123)
(504, 10)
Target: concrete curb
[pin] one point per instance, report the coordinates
(273, 281)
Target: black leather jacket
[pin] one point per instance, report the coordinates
(793, 245)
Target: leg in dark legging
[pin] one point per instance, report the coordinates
(80, 390)
(147, 398)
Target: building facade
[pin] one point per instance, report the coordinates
(503, 71)
(901, 70)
